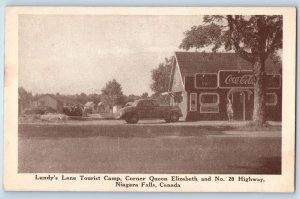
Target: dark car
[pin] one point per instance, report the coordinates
(148, 109)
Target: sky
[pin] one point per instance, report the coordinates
(75, 54)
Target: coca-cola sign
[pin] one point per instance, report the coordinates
(236, 79)
(244, 79)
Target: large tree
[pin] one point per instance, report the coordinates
(25, 99)
(161, 76)
(161, 79)
(254, 38)
(112, 93)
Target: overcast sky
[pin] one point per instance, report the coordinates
(74, 54)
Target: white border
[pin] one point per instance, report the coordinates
(217, 104)
(208, 93)
(275, 97)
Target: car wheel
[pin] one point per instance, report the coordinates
(174, 117)
(132, 119)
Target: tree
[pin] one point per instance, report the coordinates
(132, 98)
(145, 95)
(161, 79)
(161, 76)
(254, 38)
(82, 98)
(25, 98)
(112, 93)
(94, 98)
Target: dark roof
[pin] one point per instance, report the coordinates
(196, 62)
(60, 99)
(49, 95)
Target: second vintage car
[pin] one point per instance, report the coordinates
(148, 109)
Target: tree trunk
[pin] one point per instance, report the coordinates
(259, 118)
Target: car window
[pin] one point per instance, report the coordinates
(147, 103)
(135, 103)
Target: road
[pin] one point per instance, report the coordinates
(148, 147)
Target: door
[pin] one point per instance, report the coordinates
(143, 110)
(238, 105)
(146, 109)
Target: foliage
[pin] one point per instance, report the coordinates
(161, 76)
(25, 98)
(132, 98)
(249, 36)
(112, 94)
(145, 95)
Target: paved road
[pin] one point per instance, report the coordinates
(149, 147)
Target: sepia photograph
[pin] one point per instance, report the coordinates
(151, 101)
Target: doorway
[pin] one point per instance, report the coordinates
(239, 105)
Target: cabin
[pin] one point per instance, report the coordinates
(49, 101)
(202, 83)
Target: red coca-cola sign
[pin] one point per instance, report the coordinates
(245, 79)
(236, 79)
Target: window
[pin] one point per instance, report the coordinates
(209, 102)
(209, 98)
(147, 103)
(193, 102)
(271, 99)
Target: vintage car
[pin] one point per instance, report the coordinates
(148, 109)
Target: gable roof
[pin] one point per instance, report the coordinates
(58, 98)
(190, 63)
(195, 62)
(48, 95)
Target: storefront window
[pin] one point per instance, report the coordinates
(271, 99)
(209, 102)
(193, 102)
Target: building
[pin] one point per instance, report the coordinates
(103, 108)
(49, 101)
(56, 103)
(201, 83)
(89, 107)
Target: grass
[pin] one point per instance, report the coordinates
(144, 149)
(251, 126)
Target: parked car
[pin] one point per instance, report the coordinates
(128, 104)
(148, 109)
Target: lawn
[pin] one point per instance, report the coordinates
(122, 148)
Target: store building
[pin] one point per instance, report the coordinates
(201, 83)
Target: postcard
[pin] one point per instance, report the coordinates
(150, 99)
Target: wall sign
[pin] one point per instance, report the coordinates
(244, 79)
(206, 80)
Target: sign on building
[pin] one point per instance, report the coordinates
(206, 80)
(244, 79)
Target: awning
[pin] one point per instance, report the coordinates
(235, 90)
